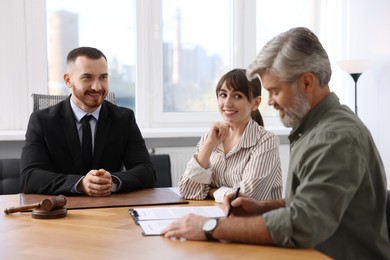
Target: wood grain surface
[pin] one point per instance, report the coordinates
(110, 233)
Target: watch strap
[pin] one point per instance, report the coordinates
(209, 236)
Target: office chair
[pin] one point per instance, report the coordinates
(9, 176)
(162, 165)
(42, 101)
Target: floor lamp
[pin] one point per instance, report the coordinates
(355, 68)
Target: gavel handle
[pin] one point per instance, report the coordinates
(21, 208)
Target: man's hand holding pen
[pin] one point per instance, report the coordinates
(240, 205)
(243, 205)
(230, 210)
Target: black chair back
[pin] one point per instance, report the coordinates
(162, 165)
(9, 176)
(41, 101)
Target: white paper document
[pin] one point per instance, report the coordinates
(153, 220)
(154, 227)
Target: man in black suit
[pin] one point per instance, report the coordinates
(52, 160)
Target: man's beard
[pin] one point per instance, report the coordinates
(82, 97)
(299, 108)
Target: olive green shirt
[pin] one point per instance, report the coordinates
(336, 188)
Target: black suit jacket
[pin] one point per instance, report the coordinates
(51, 160)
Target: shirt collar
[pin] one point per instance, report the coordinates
(79, 113)
(313, 116)
(250, 136)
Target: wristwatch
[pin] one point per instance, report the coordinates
(208, 228)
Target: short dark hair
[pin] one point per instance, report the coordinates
(89, 52)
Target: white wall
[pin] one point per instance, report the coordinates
(370, 39)
(20, 51)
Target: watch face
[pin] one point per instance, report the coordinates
(210, 224)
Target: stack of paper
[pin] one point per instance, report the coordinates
(153, 220)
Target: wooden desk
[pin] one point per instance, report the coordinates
(110, 233)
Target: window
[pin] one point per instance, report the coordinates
(186, 58)
(139, 37)
(194, 56)
(269, 25)
(106, 25)
(193, 47)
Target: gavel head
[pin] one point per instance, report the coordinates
(53, 203)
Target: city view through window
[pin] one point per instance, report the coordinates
(108, 26)
(194, 56)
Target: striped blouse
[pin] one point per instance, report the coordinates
(253, 165)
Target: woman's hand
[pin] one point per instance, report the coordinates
(217, 133)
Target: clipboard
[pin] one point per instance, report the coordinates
(134, 214)
(153, 220)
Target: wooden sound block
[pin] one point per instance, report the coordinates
(44, 214)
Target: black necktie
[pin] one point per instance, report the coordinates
(86, 144)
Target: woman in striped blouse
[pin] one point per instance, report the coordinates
(236, 152)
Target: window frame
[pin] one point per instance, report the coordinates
(24, 64)
(151, 114)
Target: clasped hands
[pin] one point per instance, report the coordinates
(96, 183)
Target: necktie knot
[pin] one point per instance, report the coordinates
(86, 119)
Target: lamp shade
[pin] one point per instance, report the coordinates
(354, 66)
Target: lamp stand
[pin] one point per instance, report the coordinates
(355, 77)
(355, 68)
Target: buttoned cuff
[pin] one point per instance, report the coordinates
(220, 194)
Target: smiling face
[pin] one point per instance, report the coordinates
(234, 106)
(88, 79)
(287, 98)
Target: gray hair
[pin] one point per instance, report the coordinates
(292, 53)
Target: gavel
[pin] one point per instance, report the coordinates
(48, 204)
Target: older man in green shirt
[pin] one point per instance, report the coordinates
(336, 188)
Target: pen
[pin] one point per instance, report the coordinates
(235, 197)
